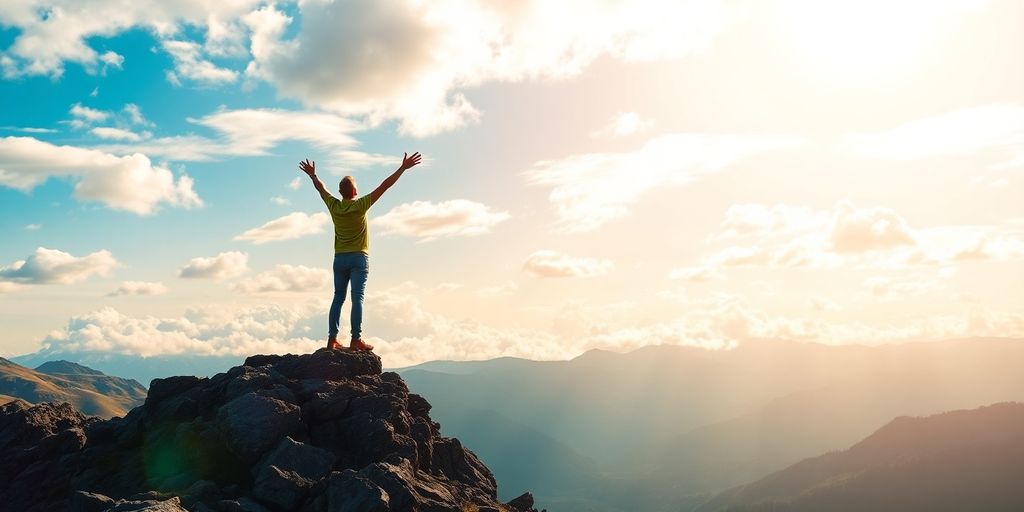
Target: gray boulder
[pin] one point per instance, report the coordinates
(287, 473)
(252, 424)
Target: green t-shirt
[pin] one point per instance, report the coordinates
(351, 233)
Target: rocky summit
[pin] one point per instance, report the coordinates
(319, 432)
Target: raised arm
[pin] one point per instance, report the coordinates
(309, 167)
(407, 162)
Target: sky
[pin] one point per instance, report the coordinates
(596, 174)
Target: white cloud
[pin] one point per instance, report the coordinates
(112, 59)
(104, 132)
(760, 220)
(86, 114)
(286, 278)
(622, 125)
(189, 64)
(225, 265)
(54, 266)
(33, 227)
(294, 184)
(999, 127)
(428, 221)
(869, 237)
(410, 60)
(45, 42)
(866, 229)
(28, 129)
(281, 201)
(592, 189)
(403, 59)
(130, 183)
(291, 226)
(545, 263)
(135, 116)
(139, 288)
(209, 330)
(254, 132)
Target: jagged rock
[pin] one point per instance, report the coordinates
(353, 492)
(253, 423)
(523, 503)
(289, 471)
(34, 441)
(309, 433)
(82, 501)
(170, 505)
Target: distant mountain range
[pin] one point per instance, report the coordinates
(961, 460)
(664, 428)
(88, 390)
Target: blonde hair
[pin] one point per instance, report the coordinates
(347, 186)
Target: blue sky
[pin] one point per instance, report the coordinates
(603, 176)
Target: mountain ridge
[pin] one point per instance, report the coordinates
(90, 391)
(968, 459)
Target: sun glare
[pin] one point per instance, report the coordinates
(866, 38)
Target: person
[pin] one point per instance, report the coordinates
(351, 245)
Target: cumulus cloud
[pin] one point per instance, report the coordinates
(866, 229)
(130, 183)
(545, 263)
(209, 331)
(225, 265)
(291, 226)
(997, 126)
(139, 288)
(410, 60)
(44, 43)
(592, 189)
(428, 221)
(868, 237)
(54, 266)
(286, 278)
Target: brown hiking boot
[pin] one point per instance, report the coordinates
(359, 344)
(333, 344)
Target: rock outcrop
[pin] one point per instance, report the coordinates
(320, 432)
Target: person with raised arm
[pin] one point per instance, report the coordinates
(351, 245)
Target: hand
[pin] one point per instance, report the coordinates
(308, 167)
(410, 161)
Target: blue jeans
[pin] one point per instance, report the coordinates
(354, 267)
